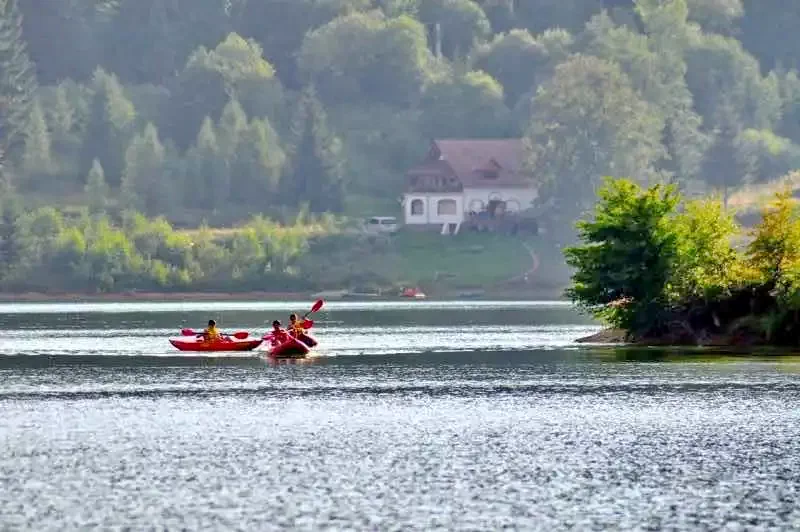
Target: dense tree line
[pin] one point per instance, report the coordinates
(44, 250)
(215, 106)
(218, 109)
(664, 269)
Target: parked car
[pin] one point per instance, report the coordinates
(382, 224)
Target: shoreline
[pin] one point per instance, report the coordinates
(617, 336)
(76, 297)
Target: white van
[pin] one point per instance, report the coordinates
(382, 224)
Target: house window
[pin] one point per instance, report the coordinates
(417, 207)
(476, 205)
(490, 174)
(446, 207)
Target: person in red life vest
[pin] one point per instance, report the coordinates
(278, 335)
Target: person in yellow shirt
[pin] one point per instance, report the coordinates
(296, 328)
(211, 333)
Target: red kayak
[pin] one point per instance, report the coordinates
(290, 348)
(227, 343)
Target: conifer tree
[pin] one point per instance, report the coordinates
(142, 184)
(37, 156)
(17, 78)
(315, 176)
(96, 189)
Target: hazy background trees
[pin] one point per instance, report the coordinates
(216, 110)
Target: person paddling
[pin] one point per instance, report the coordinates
(211, 332)
(278, 335)
(296, 328)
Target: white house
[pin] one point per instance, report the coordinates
(460, 177)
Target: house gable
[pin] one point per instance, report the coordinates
(455, 164)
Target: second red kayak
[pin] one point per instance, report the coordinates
(290, 348)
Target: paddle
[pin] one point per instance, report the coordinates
(239, 335)
(314, 308)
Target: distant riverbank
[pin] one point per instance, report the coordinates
(34, 297)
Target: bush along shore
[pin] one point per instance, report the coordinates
(662, 270)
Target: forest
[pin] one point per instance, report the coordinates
(120, 118)
(662, 268)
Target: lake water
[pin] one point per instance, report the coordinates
(414, 416)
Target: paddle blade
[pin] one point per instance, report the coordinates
(317, 305)
(187, 332)
(241, 335)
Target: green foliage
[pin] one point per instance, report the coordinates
(110, 126)
(366, 56)
(315, 176)
(587, 122)
(462, 23)
(142, 186)
(17, 79)
(96, 189)
(775, 248)
(625, 264)
(444, 101)
(700, 93)
(707, 264)
(518, 61)
(37, 156)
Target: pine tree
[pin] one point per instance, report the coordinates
(316, 173)
(96, 189)
(257, 169)
(142, 183)
(17, 78)
(37, 157)
(232, 125)
(208, 175)
(111, 119)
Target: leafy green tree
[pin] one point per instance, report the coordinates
(462, 23)
(17, 79)
(315, 175)
(367, 57)
(517, 61)
(280, 26)
(143, 186)
(624, 263)
(444, 103)
(654, 62)
(235, 69)
(96, 189)
(728, 86)
(774, 249)
(162, 33)
(588, 122)
(110, 126)
(707, 264)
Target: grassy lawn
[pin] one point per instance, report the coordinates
(469, 260)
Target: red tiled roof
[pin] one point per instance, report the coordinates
(469, 157)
